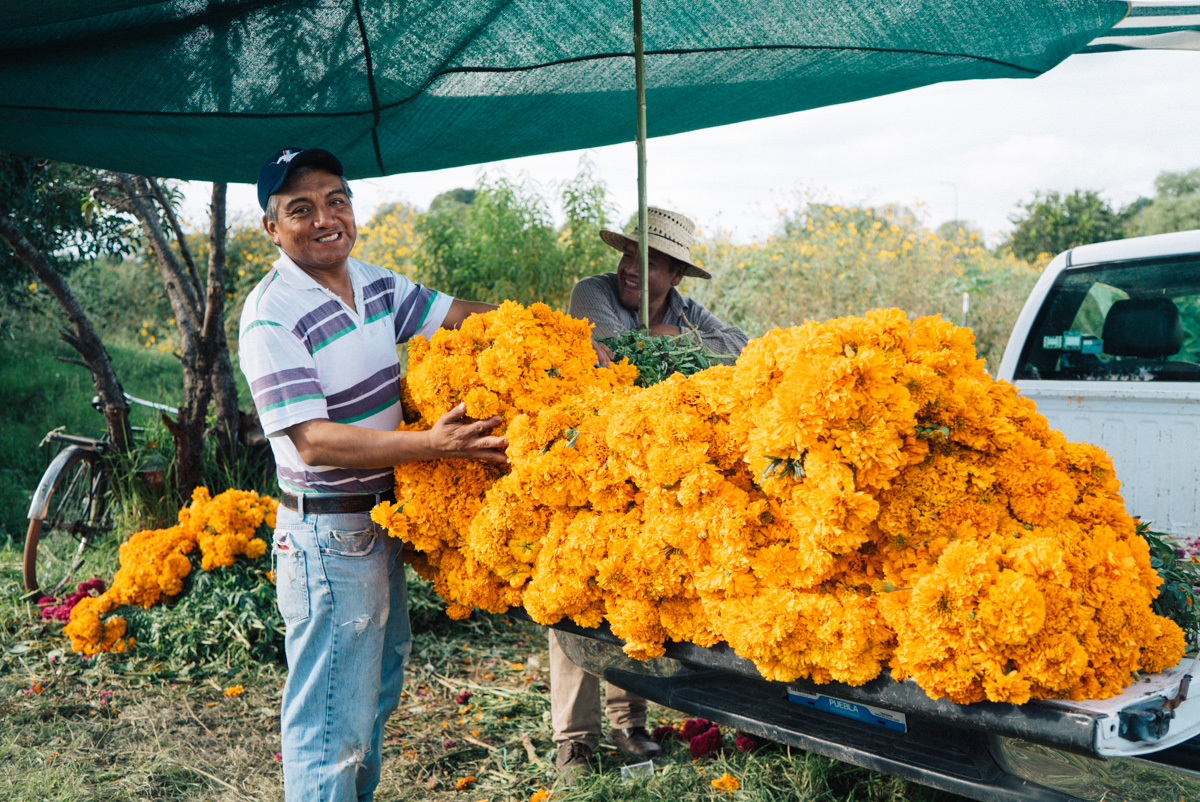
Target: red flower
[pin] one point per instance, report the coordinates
(747, 743)
(694, 726)
(665, 733)
(706, 742)
(95, 583)
(462, 697)
(55, 610)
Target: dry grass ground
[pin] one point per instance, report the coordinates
(128, 729)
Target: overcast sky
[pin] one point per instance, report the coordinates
(1106, 122)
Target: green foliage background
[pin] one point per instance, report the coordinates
(503, 244)
(1054, 221)
(50, 202)
(831, 260)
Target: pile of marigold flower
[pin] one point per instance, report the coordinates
(155, 562)
(850, 495)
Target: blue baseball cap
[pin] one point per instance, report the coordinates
(274, 173)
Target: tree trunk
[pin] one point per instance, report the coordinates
(224, 387)
(136, 196)
(199, 320)
(81, 336)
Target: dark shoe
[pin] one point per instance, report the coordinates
(634, 740)
(574, 761)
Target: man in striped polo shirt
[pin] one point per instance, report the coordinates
(318, 347)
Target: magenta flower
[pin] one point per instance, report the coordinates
(694, 726)
(747, 743)
(706, 742)
(665, 733)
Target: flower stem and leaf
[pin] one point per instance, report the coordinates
(783, 466)
(1180, 578)
(657, 356)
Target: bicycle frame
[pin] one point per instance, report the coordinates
(39, 505)
(73, 528)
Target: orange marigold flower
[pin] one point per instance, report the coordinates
(727, 783)
(155, 562)
(849, 495)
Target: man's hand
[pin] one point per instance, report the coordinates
(604, 354)
(453, 437)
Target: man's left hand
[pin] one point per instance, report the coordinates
(604, 355)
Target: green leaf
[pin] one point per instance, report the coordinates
(658, 356)
(1180, 578)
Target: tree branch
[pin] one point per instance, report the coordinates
(82, 336)
(224, 386)
(133, 199)
(173, 219)
(214, 302)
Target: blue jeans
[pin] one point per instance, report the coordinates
(341, 591)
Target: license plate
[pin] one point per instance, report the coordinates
(858, 711)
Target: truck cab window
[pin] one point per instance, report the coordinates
(1135, 321)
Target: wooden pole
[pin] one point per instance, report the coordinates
(639, 72)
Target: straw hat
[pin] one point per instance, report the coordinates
(667, 232)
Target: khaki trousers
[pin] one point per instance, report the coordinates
(575, 701)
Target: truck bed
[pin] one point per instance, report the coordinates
(894, 727)
(1136, 722)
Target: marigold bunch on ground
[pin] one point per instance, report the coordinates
(850, 495)
(155, 562)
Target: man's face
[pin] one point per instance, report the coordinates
(315, 222)
(663, 276)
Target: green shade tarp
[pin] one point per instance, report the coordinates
(206, 89)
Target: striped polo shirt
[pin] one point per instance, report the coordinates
(308, 356)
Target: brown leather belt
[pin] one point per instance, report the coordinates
(323, 505)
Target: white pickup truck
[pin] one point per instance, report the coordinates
(1108, 345)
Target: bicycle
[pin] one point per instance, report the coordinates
(70, 510)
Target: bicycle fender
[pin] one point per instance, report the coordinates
(40, 504)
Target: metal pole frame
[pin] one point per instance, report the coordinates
(639, 73)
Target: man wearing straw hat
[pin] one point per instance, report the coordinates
(611, 302)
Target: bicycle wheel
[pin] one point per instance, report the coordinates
(74, 489)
